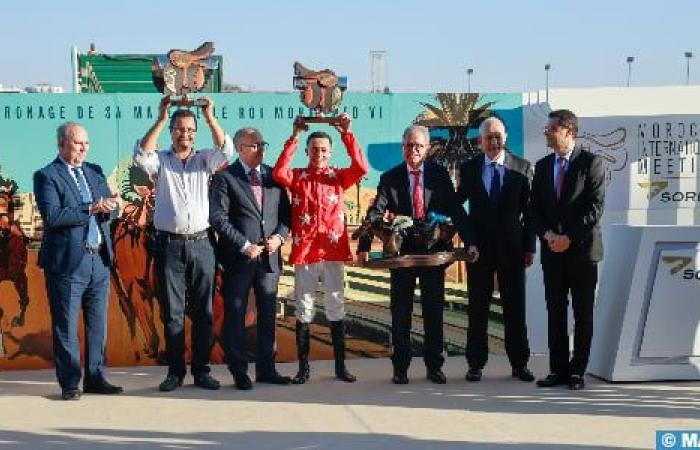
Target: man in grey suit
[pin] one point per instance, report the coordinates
(250, 213)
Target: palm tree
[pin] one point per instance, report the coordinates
(457, 114)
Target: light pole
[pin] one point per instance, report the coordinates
(469, 80)
(688, 55)
(546, 81)
(630, 60)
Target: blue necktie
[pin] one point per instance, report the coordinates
(495, 183)
(92, 236)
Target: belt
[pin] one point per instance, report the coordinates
(185, 237)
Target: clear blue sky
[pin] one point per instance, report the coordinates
(429, 43)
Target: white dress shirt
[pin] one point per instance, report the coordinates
(182, 190)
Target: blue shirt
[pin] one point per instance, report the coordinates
(487, 171)
(567, 158)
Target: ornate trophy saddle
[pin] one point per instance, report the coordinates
(180, 72)
(321, 91)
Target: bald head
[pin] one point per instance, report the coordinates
(73, 143)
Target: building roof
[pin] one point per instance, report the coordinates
(128, 73)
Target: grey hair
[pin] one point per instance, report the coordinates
(488, 121)
(244, 132)
(416, 129)
(62, 130)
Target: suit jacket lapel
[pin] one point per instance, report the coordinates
(570, 176)
(549, 169)
(478, 175)
(266, 181)
(428, 186)
(507, 174)
(62, 170)
(403, 201)
(242, 178)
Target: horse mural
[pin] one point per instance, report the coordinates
(13, 253)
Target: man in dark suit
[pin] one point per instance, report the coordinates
(414, 188)
(568, 191)
(250, 212)
(76, 252)
(497, 185)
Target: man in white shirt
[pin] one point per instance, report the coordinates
(185, 259)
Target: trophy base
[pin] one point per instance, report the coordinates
(184, 102)
(420, 260)
(332, 120)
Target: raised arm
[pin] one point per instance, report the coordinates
(217, 133)
(358, 163)
(281, 172)
(145, 156)
(149, 142)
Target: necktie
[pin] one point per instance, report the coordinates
(560, 175)
(495, 183)
(256, 187)
(93, 239)
(418, 204)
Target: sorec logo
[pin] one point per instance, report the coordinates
(654, 188)
(674, 439)
(677, 263)
(680, 264)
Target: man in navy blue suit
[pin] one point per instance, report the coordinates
(76, 205)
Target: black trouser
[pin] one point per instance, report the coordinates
(186, 278)
(432, 298)
(511, 285)
(236, 286)
(563, 274)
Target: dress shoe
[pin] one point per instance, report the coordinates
(553, 379)
(170, 383)
(206, 381)
(399, 378)
(70, 394)
(102, 387)
(523, 374)
(437, 377)
(272, 378)
(473, 375)
(242, 382)
(576, 382)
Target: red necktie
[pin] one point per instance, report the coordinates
(418, 205)
(560, 175)
(256, 187)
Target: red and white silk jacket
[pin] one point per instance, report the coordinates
(319, 231)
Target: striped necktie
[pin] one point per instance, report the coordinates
(93, 238)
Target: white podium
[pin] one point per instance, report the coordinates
(647, 313)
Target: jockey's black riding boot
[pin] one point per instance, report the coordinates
(338, 336)
(302, 335)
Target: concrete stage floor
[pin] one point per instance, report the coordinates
(498, 412)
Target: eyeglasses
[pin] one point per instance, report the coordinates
(552, 128)
(185, 130)
(415, 146)
(257, 146)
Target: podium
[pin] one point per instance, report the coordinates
(647, 312)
